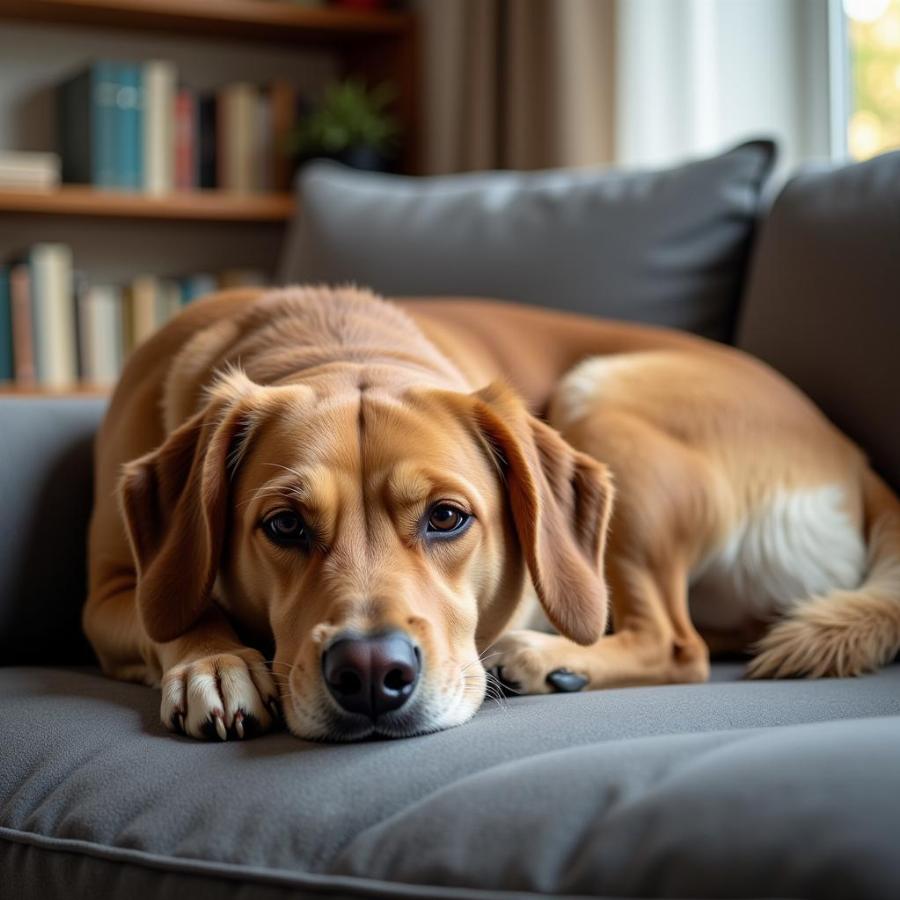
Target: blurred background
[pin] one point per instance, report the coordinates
(148, 147)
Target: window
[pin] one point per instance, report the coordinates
(873, 43)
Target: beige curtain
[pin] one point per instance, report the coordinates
(519, 84)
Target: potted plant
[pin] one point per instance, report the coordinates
(352, 124)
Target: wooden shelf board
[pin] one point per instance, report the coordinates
(248, 19)
(220, 206)
(10, 389)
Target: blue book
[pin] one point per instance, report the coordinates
(86, 115)
(7, 370)
(130, 127)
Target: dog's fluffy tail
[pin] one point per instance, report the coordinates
(847, 632)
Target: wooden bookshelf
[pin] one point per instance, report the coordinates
(195, 206)
(244, 19)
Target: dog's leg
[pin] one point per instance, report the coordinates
(661, 521)
(654, 642)
(213, 686)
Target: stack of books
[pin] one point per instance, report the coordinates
(29, 171)
(58, 330)
(130, 126)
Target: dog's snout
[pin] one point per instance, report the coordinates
(371, 675)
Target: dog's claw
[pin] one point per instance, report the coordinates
(565, 681)
(274, 709)
(239, 725)
(179, 720)
(220, 728)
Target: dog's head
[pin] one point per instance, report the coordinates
(381, 540)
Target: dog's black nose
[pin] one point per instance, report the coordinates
(371, 675)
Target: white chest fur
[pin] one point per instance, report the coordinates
(797, 544)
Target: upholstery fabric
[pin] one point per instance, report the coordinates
(823, 298)
(46, 477)
(733, 789)
(665, 247)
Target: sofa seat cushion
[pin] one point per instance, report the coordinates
(726, 789)
(667, 247)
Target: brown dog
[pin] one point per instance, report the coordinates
(349, 484)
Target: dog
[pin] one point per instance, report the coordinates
(317, 504)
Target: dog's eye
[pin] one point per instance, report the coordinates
(286, 529)
(446, 519)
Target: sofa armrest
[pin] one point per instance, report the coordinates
(45, 500)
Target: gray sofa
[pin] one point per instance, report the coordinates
(730, 789)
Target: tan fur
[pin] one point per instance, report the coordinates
(360, 414)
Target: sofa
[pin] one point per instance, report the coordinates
(728, 789)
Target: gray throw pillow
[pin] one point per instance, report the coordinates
(823, 299)
(666, 247)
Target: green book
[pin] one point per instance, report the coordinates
(88, 125)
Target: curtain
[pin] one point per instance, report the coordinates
(517, 84)
(527, 84)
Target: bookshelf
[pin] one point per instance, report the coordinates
(191, 206)
(373, 45)
(246, 19)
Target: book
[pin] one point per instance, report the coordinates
(159, 126)
(100, 320)
(207, 141)
(196, 286)
(86, 126)
(235, 131)
(129, 126)
(144, 318)
(22, 323)
(283, 98)
(53, 311)
(38, 171)
(185, 140)
(7, 366)
(263, 155)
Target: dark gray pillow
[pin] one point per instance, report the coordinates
(823, 299)
(665, 247)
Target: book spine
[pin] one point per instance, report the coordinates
(159, 128)
(7, 367)
(104, 120)
(22, 323)
(144, 308)
(185, 140)
(237, 121)
(101, 326)
(263, 170)
(54, 314)
(284, 111)
(207, 142)
(75, 125)
(130, 122)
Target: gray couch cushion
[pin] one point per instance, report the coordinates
(665, 247)
(45, 501)
(823, 298)
(731, 789)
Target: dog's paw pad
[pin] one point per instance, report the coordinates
(565, 681)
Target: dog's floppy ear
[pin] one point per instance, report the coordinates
(174, 500)
(561, 502)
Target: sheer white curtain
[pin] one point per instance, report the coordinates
(695, 75)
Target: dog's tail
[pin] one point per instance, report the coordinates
(847, 632)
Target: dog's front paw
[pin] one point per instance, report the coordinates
(529, 662)
(221, 696)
